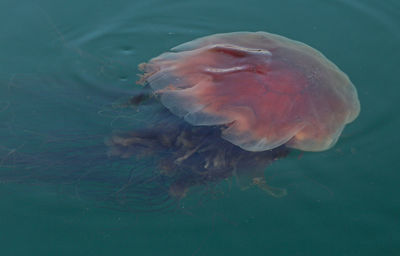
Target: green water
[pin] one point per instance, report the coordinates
(64, 63)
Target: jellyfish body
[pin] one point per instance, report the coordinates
(264, 89)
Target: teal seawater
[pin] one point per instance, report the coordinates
(65, 64)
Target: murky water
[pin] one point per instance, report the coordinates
(66, 69)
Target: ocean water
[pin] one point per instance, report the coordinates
(66, 68)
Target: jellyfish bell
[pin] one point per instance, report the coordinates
(265, 90)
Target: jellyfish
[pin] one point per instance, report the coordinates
(233, 103)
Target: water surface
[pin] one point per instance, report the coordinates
(65, 65)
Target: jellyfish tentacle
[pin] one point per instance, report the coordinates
(273, 191)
